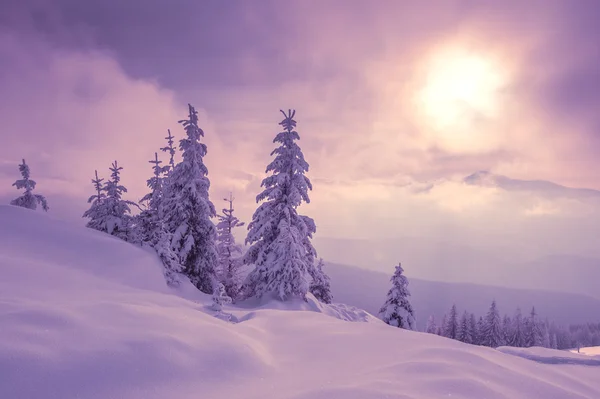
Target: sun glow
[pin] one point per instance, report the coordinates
(458, 90)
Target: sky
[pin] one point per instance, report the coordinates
(396, 103)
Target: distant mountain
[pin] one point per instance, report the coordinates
(487, 179)
(367, 289)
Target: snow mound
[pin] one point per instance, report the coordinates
(85, 316)
(551, 356)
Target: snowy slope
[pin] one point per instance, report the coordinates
(83, 315)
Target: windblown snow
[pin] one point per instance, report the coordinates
(86, 315)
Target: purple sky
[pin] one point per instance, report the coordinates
(391, 97)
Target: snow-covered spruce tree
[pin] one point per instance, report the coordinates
(170, 149)
(473, 329)
(229, 252)
(186, 209)
(431, 327)
(506, 329)
(220, 297)
(152, 229)
(517, 333)
(28, 199)
(480, 327)
(533, 334)
(320, 286)
(111, 213)
(96, 211)
(491, 335)
(464, 331)
(451, 326)
(279, 238)
(397, 310)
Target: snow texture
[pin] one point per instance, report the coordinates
(89, 316)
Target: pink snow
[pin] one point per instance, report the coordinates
(85, 315)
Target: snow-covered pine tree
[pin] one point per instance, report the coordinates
(279, 238)
(96, 211)
(473, 329)
(480, 332)
(111, 214)
(464, 331)
(554, 342)
(170, 149)
(506, 329)
(431, 326)
(187, 209)
(451, 326)
(320, 286)
(397, 310)
(546, 339)
(220, 297)
(28, 199)
(152, 230)
(442, 326)
(517, 338)
(492, 328)
(533, 334)
(152, 199)
(229, 252)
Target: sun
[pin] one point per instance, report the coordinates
(457, 88)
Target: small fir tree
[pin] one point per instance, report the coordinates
(229, 252)
(109, 212)
(534, 334)
(473, 329)
(431, 327)
(464, 331)
(517, 336)
(397, 310)
(492, 328)
(28, 199)
(451, 326)
(220, 297)
(279, 238)
(186, 209)
(320, 285)
(170, 149)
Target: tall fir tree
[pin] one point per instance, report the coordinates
(280, 247)
(451, 326)
(431, 327)
(464, 330)
(320, 285)
(111, 213)
(397, 310)
(28, 199)
(492, 328)
(170, 149)
(152, 199)
(187, 209)
(229, 252)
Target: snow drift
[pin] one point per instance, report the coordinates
(84, 315)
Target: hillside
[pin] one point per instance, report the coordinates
(366, 289)
(86, 316)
